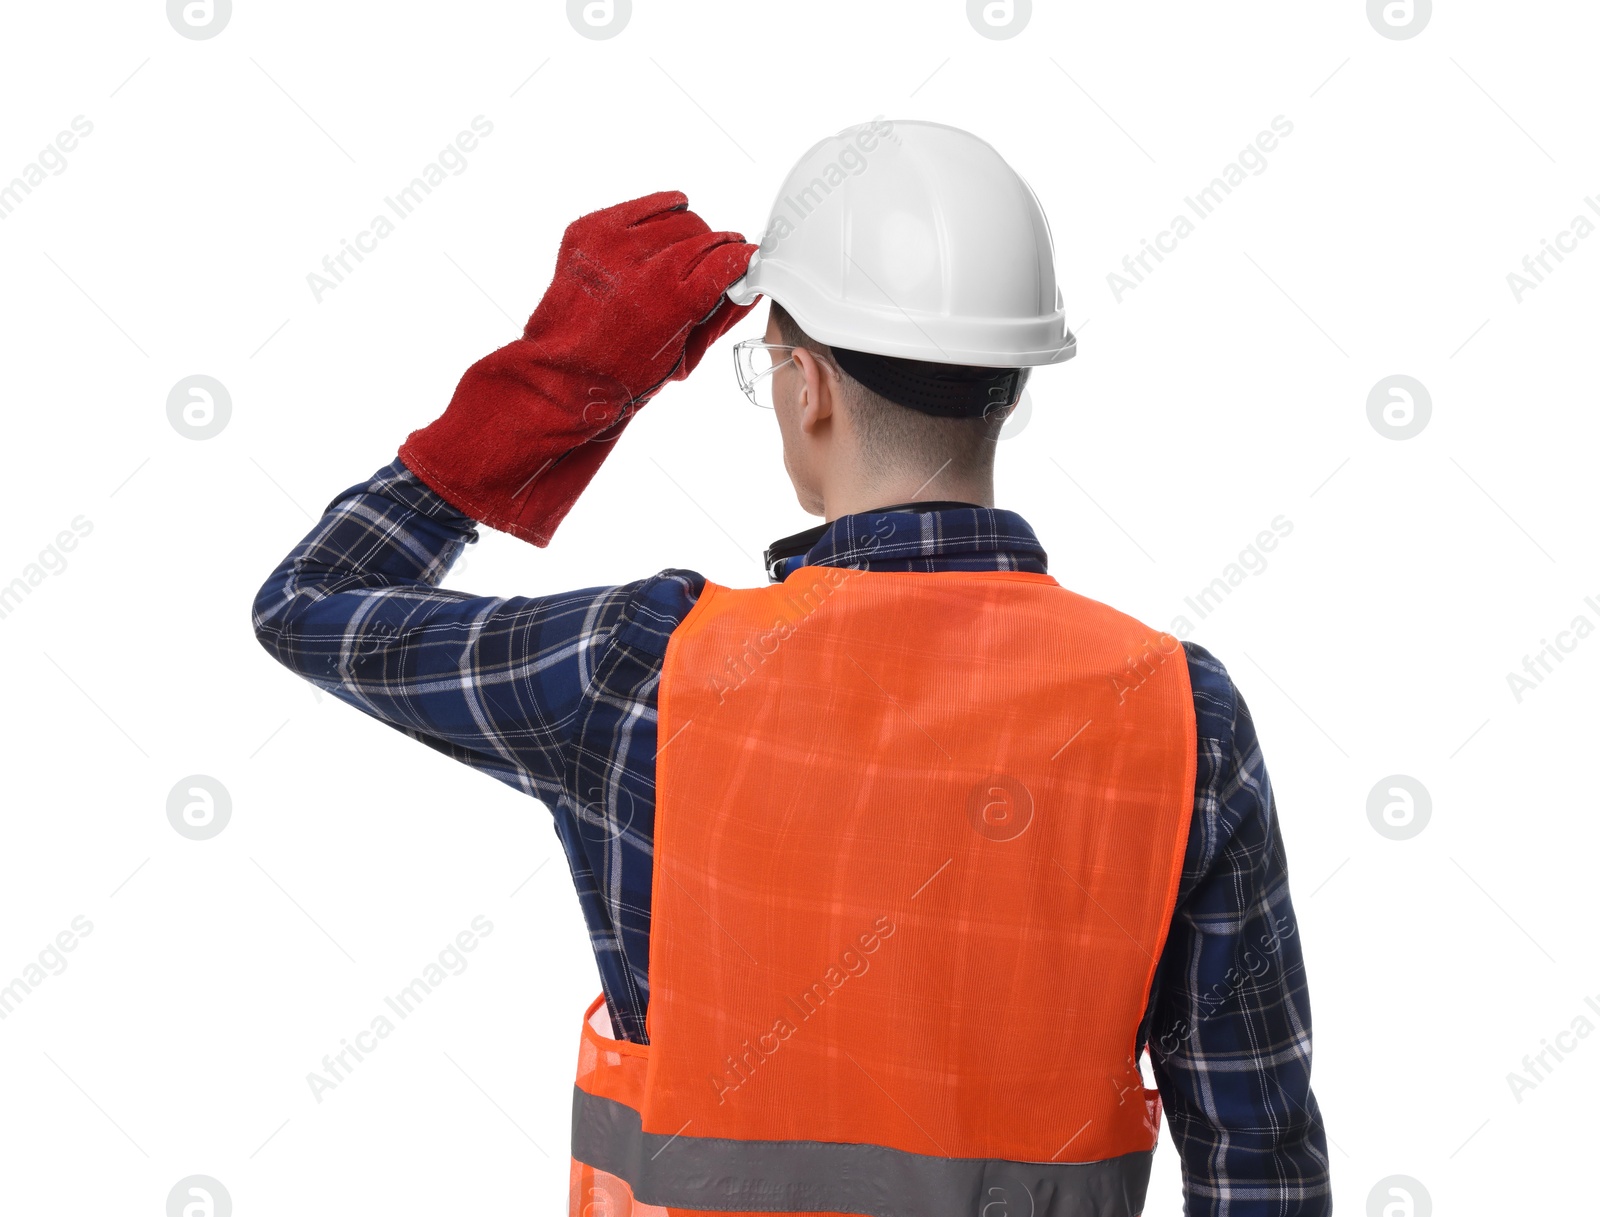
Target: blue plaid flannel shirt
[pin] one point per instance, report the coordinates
(556, 696)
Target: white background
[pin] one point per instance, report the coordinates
(1226, 390)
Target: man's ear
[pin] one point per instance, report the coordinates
(818, 388)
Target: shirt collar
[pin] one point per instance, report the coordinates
(913, 536)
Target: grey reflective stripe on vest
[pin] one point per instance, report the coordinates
(723, 1175)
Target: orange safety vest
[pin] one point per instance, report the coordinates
(917, 846)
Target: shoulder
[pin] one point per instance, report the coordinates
(1232, 792)
(1104, 621)
(1216, 697)
(649, 610)
(1228, 751)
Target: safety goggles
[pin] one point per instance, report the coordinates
(754, 362)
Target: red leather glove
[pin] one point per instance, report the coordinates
(636, 300)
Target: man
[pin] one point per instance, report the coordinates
(895, 868)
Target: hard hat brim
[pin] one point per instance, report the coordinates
(989, 343)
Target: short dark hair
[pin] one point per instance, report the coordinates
(898, 436)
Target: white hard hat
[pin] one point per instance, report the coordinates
(914, 240)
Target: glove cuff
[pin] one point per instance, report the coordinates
(531, 441)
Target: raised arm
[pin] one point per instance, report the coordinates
(495, 683)
(637, 297)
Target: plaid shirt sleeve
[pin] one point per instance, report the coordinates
(356, 610)
(1230, 1019)
(553, 695)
